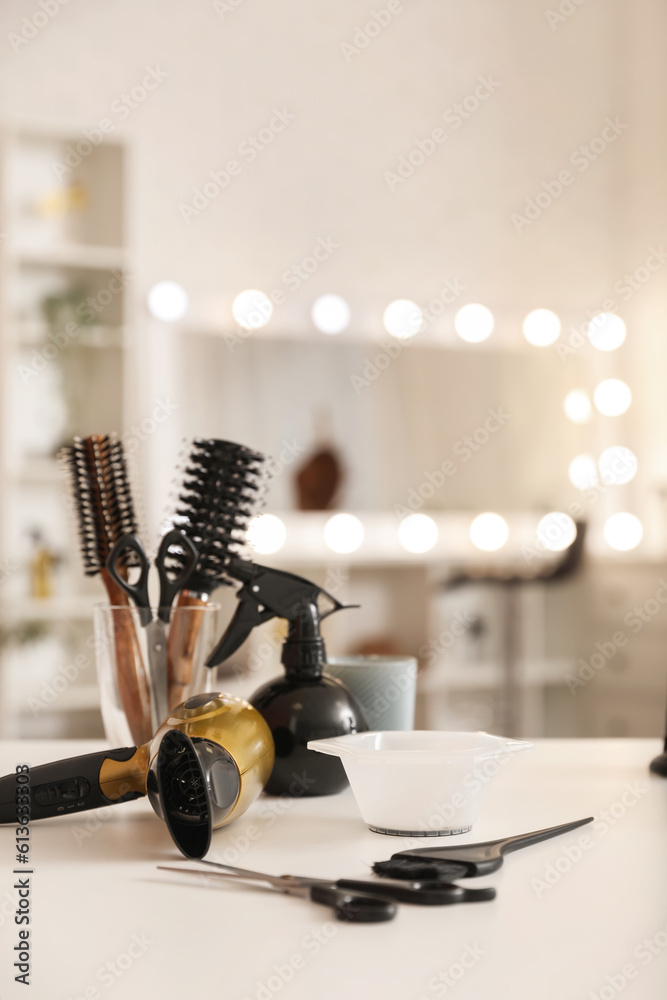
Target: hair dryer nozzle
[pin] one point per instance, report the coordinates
(193, 784)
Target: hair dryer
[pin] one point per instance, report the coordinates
(206, 764)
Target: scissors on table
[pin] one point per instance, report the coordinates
(355, 900)
(128, 551)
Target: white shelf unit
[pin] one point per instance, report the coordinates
(65, 356)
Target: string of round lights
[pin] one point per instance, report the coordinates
(473, 323)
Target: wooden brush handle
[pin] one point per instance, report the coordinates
(183, 634)
(130, 671)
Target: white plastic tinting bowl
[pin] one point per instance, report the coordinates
(420, 784)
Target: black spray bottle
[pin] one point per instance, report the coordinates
(306, 704)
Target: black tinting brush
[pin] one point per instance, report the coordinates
(466, 860)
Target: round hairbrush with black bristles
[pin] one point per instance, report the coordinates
(100, 490)
(222, 487)
(97, 472)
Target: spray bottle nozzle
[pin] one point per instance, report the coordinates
(271, 593)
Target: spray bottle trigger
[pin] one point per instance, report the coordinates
(246, 617)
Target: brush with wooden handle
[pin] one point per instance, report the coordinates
(222, 487)
(102, 498)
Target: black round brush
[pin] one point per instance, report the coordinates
(223, 484)
(104, 510)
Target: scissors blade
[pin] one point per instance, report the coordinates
(239, 875)
(156, 638)
(353, 907)
(283, 882)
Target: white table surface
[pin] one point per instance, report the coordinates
(96, 890)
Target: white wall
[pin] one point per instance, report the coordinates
(325, 175)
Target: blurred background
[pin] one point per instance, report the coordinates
(411, 250)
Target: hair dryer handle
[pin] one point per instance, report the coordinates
(69, 786)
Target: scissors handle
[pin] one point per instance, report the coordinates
(422, 893)
(355, 908)
(137, 591)
(171, 584)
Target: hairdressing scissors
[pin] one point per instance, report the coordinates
(352, 899)
(127, 552)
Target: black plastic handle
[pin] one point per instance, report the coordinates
(170, 585)
(526, 839)
(137, 591)
(64, 786)
(485, 858)
(246, 617)
(356, 909)
(419, 893)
